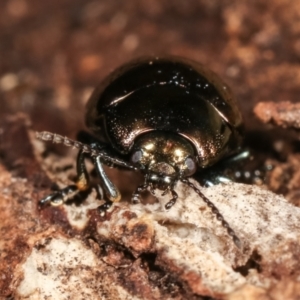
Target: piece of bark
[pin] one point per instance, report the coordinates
(142, 251)
(283, 114)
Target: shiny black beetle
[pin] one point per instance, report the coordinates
(166, 117)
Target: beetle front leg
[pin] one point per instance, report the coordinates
(111, 191)
(82, 184)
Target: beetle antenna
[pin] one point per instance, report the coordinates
(215, 211)
(59, 139)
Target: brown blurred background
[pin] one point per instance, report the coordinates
(52, 53)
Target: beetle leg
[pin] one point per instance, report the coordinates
(136, 195)
(104, 207)
(82, 184)
(100, 192)
(172, 201)
(225, 171)
(110, 189)
(59, 197)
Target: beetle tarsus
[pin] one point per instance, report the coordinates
(104, 207)
(59, 197)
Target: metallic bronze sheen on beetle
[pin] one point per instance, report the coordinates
(170, 95)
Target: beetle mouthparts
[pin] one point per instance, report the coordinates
(162, 168)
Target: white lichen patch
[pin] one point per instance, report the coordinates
(66, 269)
(78, 215)
(189, 238)
(253, 213)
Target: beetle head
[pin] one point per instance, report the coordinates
(164, 157)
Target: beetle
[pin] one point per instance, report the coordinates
(169, 118)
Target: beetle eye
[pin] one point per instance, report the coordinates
(137, 156)
(190, 165)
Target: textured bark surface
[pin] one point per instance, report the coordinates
(53, 54)
(284, 114)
